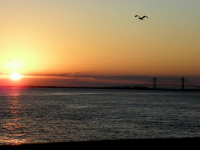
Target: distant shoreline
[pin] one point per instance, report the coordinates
(109, 87)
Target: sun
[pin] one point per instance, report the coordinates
(15, 76)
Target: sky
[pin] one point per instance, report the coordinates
(98, 42)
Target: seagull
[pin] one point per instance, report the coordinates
(141, 18)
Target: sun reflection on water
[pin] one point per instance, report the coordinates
(12, 140)
(12, 128)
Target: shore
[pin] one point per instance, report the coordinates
(129, 143)
(111, 87)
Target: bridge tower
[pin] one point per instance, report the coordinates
(183, 80)
(154, 82)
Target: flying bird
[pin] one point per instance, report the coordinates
(141, 18)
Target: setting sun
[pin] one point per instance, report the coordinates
(15, 76)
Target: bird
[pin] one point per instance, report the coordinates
(141, 18)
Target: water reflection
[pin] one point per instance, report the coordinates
(12, 128)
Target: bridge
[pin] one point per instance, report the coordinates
(183, 83)
(167, 83)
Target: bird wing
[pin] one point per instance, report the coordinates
(136, 15)
(144, 16)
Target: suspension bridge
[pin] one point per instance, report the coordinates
(181, 83)
(167, 83)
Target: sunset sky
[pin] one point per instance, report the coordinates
(98, 42)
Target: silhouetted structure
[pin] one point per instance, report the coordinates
(183, 79)
(179, 84)
(154, 82)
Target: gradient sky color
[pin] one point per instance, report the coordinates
(68, 42)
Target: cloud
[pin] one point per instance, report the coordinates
(108, 77)
(53, 75)
(94, 78)
(79, 79)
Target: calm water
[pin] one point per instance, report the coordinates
(59, 115)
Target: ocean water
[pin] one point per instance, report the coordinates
(63, 114)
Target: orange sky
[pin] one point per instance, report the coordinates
(98, 38)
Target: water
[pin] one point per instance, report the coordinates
(59, 115)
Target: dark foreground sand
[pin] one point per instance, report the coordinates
(177, 143)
